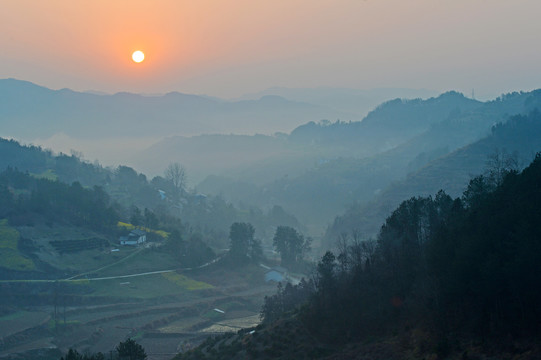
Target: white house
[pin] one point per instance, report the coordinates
(135, 237)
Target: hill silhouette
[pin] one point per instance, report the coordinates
(516, 140)
(29, 111)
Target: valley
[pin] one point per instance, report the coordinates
(270, 180)
(91, 256)
(166, 312)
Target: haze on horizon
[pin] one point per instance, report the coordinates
(232, 48)
(383, 155)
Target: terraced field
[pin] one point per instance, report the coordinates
(165, 313)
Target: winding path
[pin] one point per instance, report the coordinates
(74, 278)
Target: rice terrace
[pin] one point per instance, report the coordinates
(166, 311)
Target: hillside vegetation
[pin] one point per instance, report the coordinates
(446, 278)
(10, 257)
(349, 163)
(133, 196)
(510, 145)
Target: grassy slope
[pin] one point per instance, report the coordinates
(99, 263)
(146, 287)
(86, 262)
(10, 257)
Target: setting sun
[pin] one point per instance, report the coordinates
(138, 56)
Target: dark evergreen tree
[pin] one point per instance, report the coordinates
(75, 355)
(243, 246)
(130, 350)
(291, 245)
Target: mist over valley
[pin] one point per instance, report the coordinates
(326, 181)
(270, 180)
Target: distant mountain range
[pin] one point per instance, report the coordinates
(114, 128)
(262, 158)
(316, 167)
(29, 111)
(358, 162)
(356, 101)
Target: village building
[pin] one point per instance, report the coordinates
(134, 238)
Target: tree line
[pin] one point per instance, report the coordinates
(125, 350)
(288, 242)
(24, 198)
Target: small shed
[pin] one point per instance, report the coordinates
(273, 275)
(276, 274)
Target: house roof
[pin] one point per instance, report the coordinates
(273, 275)
(138, 232)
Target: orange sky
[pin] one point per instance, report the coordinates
(227, 48)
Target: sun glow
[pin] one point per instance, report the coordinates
(138, 56)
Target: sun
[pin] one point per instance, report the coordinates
(138, 56)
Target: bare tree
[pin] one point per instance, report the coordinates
(499, 163)
(176, 173)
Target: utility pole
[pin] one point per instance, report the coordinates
(55, 300)
(64, 297)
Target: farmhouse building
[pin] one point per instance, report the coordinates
(135, 237)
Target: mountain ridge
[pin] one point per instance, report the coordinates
(516, 140)
(29, 111)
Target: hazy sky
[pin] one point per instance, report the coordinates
(227, 48)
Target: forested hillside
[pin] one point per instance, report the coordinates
(446, 277)
(387, 126)
(510, 145)
(350, 164)
(136, 195)
(24, 198)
